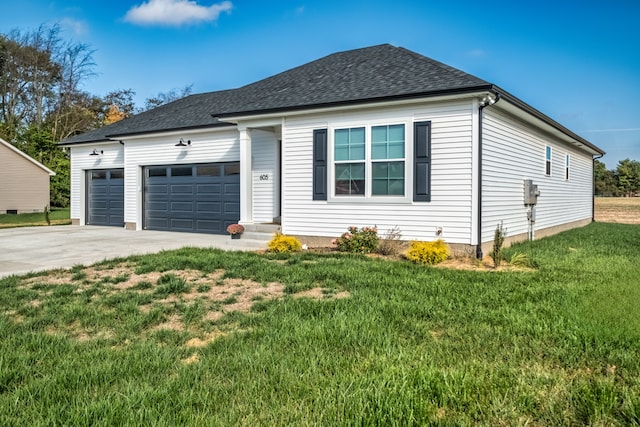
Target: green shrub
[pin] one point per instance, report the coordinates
(282, 244)
(498, 241)
(427, 252)
(364, 240)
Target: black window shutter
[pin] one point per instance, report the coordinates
(320, 164)
(422, 162)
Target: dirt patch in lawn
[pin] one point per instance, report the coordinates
(183, 301)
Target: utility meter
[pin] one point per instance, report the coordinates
(531, 192)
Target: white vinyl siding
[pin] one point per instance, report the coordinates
(112, 157)
(512, 152)
(266, 176)
(451, 202)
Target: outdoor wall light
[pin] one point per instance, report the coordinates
(182, 143)
(96, 152)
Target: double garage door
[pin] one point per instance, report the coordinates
(200, 198)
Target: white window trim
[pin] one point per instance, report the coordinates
(368, 161)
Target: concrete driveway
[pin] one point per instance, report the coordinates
(27, 249)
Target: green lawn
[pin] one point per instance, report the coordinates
(205, 337)
(57, 216)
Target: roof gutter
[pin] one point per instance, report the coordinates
(593, 197)
(487, 101)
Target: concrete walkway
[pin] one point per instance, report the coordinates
(27, 249)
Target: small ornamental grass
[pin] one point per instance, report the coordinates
(283, 244)
(358, 240)
(428, 252)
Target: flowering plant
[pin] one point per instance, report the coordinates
(235, 229)
(364, 240)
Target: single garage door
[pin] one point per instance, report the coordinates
(201, 198)
(105, 197)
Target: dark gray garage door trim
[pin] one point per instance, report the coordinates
(196, 198)
(105, 197)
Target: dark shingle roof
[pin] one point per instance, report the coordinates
(368, 74)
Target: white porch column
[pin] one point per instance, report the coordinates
(246, 181)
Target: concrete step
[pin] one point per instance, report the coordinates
(260, 232)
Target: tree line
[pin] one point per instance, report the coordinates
(624, 180)
(42, 101)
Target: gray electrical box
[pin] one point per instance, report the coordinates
(531, 192)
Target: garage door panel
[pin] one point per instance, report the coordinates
(231, 208)
(182, 206)
(177, 189)
(232, 188)
(209, 189)
(204, 202)
(178, 224)
(209, 225)
(105, 197)
(212, 208)
(162, 189)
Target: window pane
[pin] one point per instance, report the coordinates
(396, 187)
(396, 150)
(158, 171)
(117, 174)
(349, 144)
(357, 136)
(342, 153)
(387, 142)
(232, 169)
(342, 137)
(98, 174)
(388, 179)
(209, 170)
(181, 171)
(378, 150)
(396, 133)
(350, 179)
(378, 134)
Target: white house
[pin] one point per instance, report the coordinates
(375, 136)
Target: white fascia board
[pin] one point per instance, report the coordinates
(27, 157)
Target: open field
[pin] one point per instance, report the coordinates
(622, 210)
(206, 337)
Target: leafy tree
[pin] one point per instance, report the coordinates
(606, 181)
(166, 97)
(628, 176)
(119, 105)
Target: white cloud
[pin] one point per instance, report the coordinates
(175, 12)
(78, 28)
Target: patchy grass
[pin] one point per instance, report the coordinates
(58, 216)
(328, 339)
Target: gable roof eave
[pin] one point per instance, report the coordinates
(27, 157)
(523, 106)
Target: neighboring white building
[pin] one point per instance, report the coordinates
(375, 136)
(24, 182)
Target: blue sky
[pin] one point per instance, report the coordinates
(576, 61)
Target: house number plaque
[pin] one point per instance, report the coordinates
(264, 177)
